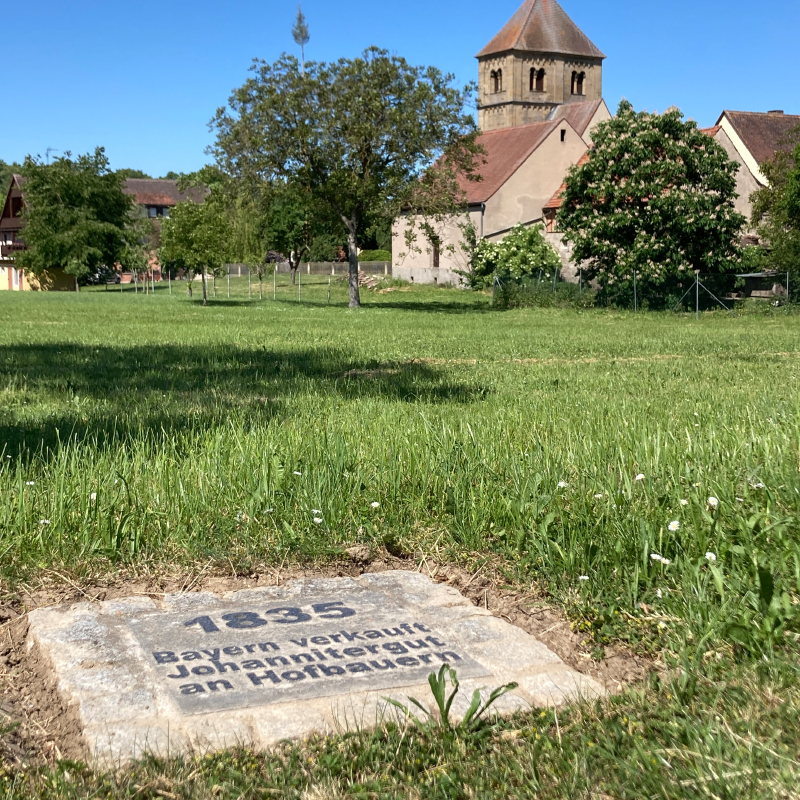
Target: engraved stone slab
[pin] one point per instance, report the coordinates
(199, 671)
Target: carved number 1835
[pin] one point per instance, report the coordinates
(284, 615)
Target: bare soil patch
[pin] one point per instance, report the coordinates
(36, 727)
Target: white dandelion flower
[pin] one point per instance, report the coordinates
(598, 497)
(93, 496)
(674, 525)
(583, 578)
(297, 473)
(44, 521)
(713, 502)
(639, 477)
(374, 504)
(29, 483)
(562, 484)
(316, 511)
(318, 520)
(711, 556)
(659, 595)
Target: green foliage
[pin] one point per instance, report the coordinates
(523, 252)
(442, 723)
(353, 138)
(196, 238)
(6, 173)
(776, 211)
(76, 216)
(126, 173)
(539, 293)
(171, 176)
(375, 255)
(656, 196)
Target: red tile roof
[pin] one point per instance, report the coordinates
(579, 115)
(542, 26)
(555, 201)
(762, 133)
(151, 192)
(712, 131)
(506, 151)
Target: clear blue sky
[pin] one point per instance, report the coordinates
(143, 78)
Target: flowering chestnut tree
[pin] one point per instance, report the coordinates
(656, 196)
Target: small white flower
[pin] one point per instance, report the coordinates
(710, 556)
(316, 510)
(674, 525)
(583, 578)
(93, 496)
(662, 624)
(29, 483)
(116, 481)
(562, 484)
(375, 504)
(758, 485)
(269, 511)
(44, 521)
(318, 520)
(740, 499)
(297, 473)
(639, 477)
(655, 556)
(713, 502)
(659, 595)
(598, 497)
(696, 485)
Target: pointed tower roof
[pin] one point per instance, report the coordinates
(542, 26)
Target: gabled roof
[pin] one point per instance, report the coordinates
(506, 151)
(555, 201)
(579, 115)
(763, 134)
(7, 222)
(542, 26)
(152, 192)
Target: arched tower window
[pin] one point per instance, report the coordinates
(540, 81)
(581, 77)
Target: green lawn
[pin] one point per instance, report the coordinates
(149, 429)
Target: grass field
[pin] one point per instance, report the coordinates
(147, 429)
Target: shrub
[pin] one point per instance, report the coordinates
(523, 253)
(532, 293)
(375, 255)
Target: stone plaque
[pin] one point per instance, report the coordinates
(198, 671)
(235, 654)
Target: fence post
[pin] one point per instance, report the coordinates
(169, 278)
(635, 295)
(697, 295)
(298, 283)
(329, 289)
(580, 281)
(229, 284)
(249, 289)
(385, 267)
(275, 282)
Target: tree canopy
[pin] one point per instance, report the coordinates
(354, 136)
(776, 209)
(196, 238)
(6, 173)
(655, 197)
(76, 216)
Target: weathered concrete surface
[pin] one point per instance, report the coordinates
(198, 671)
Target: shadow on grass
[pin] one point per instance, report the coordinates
(64, 391)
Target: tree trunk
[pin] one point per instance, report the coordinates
(189, 285)
(352, 253)
(205, 291)
(293, 272)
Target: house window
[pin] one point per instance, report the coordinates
(563, 134)
(152, 211)
(537, 80)
(436, 256)
(15, 273)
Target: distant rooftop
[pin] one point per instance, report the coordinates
(152, 192)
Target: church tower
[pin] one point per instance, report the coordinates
(538, 62)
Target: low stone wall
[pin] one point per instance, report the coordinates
(440, 276)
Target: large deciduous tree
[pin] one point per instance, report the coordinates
(776, 210)
(196, 238)
(355, 136)
(656, 199)
(76, 216)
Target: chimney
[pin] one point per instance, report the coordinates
(777, 112)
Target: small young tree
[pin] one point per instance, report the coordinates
(195, 238)
(655, 198)
(355, 136)
(76, 216)
(523, 252)
(776, 211)
(301, 36)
